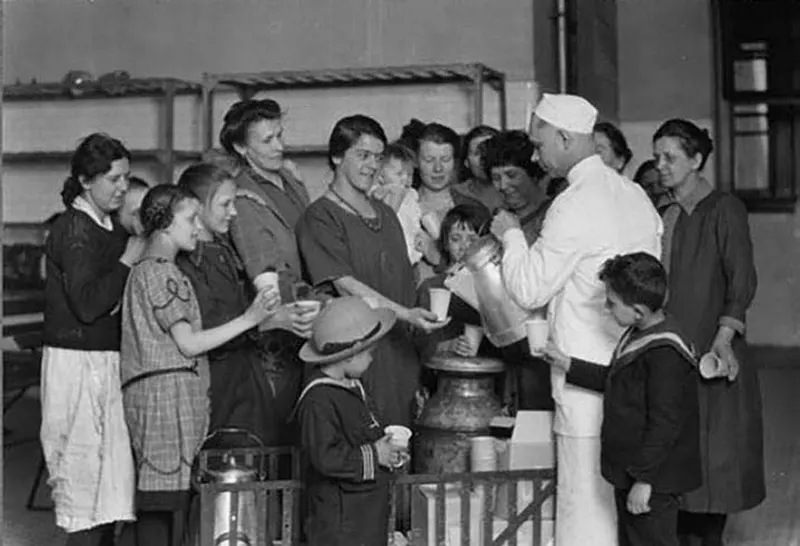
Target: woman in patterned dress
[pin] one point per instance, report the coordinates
(165, 377)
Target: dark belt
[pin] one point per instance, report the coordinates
(163, 371)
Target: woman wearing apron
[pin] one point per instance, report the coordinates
(83, 434)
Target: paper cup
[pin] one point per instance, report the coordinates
(711, 366)
(430, 221)
(268, 279)
(482, 454)
(308, 307)
(400, 435)
(440, 302)
(475, 335)
(537, 330)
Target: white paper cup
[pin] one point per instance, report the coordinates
(440, 302)
(268, 279)
(475, 335)
(482, 454)
(400, 435)
(711, 366)
(538, 331)
(430, 221)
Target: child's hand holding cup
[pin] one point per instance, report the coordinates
(399, 437)
(468, 343)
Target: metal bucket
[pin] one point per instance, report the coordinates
(503, 320)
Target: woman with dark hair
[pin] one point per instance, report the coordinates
(708, 255)
(521, 182)
(270, 199)
(476, 184)
(88, 258)
(355, 245)
(528, 193)
(240, 394)
(611, 146)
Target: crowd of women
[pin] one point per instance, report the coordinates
(163, 322)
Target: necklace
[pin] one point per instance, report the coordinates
(373, 223)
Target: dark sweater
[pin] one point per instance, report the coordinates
(84, 284)
(650, 427)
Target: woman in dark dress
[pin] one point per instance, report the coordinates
(241, 396)
(270, 198)
(88, 259)
(356, 244)
(708, 254)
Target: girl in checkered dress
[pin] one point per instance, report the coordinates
(165, 377)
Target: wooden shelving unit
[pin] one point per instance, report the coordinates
(474, 76)
(165, 89)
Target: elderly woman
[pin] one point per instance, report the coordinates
(270, 199)
(475, 183)
(355, 244)
(523, 186)
(611, 146)
(708, 254)
(84, 438)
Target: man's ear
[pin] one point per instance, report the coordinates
(641, 310)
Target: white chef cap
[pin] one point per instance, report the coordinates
(569, 112)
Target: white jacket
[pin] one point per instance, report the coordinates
(600, 215)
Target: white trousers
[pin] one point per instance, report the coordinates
(585, 510)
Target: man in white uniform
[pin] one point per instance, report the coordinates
(599, 215)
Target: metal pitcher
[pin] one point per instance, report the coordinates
(503, 320)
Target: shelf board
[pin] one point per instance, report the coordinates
(358, 76)
(135, 87)
(57, 156)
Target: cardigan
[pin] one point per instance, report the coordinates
(84, 283)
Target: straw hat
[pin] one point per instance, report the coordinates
(345, 327)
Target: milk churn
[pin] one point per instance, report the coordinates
(503, 320)
(235, 515)
(462, 407)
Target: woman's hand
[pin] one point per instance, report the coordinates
(555, 357)
(263, 305)
(423, 319)
(722, 347)
(293, 318)
(133, 250)
(426, 245)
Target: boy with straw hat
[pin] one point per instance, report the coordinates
(347, 453)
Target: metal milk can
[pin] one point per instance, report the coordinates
(462, 407)
(235, 514)
(503, 320)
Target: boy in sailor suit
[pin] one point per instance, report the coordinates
(649, 437)
(349, 457)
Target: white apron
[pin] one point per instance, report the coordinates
(85, 439)
(585, 509)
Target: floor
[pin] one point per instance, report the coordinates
(776, 522)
